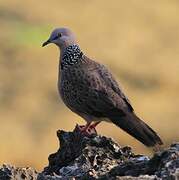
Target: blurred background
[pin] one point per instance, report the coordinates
(137, 40)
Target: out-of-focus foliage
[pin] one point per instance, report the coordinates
(137, 40)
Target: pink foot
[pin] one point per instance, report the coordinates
(86, 130)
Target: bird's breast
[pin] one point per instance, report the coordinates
(73, 88)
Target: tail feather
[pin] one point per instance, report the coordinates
(138, 129)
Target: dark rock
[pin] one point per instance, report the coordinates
(98, 157)
(9, 172)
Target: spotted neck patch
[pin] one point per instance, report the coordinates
(72, 55)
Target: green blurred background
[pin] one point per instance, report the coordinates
(137, 40)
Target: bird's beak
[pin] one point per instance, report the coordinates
(46, 42)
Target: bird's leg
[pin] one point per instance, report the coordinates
(85, 127)
(92, 126)
(88, 129)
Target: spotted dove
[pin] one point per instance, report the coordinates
(88, 89)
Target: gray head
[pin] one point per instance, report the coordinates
(62, 37)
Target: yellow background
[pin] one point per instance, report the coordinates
(137, 40)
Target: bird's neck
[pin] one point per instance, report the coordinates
(70, 56)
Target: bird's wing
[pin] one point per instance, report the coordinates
(104, 96)
(111, 103)
(112, 83)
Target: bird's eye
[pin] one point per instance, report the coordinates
(59, 35)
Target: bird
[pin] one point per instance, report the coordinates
(89, 89)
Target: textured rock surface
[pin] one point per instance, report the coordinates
(8, 172)
(99, 157)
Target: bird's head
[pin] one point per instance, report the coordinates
(62, 37)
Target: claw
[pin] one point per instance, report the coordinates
(86, 129)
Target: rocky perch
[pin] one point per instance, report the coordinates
(98, 157)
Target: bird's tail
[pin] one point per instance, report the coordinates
(138, 129)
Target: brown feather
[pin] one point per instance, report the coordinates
(138, 129)
(90, 90)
